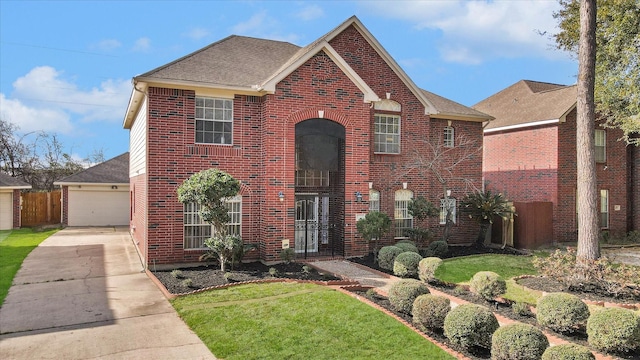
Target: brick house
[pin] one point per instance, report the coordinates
(317, 135)
(530, 155)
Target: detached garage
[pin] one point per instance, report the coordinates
(97, 196)
(10, 201)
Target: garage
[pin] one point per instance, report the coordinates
(91, 205)
(6, 212)
(10, 188)
(97, 196)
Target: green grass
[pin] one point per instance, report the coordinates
(461, 269)
(13, 249)
(298, 321)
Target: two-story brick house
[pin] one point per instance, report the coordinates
(530, 155)
(317, 135)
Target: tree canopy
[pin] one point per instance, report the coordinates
(617, 82)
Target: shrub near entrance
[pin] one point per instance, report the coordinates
(406, 264)
(518, 342)
(403, 293)
(562, 312)
(387, 256)
(614, 329)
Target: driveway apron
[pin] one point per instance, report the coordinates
(83, 294)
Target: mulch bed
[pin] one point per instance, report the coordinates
(209, 276)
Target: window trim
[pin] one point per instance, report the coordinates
(194, 215)
(449, 137)
(376, 133)
(604, 209)
(374, 204)
(442, 220)
(214, 120)
(402, 197)
(602, 146)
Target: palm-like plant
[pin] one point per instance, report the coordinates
(484, 207)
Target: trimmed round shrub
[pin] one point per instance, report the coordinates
(406, 264)
(470, 325)
(562, 312)
(427, 268)
(405, 246)
(614, 330)
(403, 293)
(437, 249)
(487, 284)
(518, 342)
(387, 255)
(430, 310)
(568, 352)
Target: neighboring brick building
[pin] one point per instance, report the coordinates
(10, 201)
(530, 156)
(317, 136)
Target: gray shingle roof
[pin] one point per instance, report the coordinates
(113, 171)
(245, 62)
(527, 102)
(233, 61)
(450, 107)
(7, 181)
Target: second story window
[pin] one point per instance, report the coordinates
(387, 134)
(448, 137)
(601, 146)
(214, 121)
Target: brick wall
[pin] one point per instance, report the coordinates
(634, 174)
(539, 164)
(65, 205)
(17, 219)
(263, 153)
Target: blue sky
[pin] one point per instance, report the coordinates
(66, 66)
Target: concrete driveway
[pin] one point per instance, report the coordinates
(82, 294)
(627, 255)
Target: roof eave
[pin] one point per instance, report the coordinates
(71, 183)
(462, 117)
(136, 99)
(15, 187)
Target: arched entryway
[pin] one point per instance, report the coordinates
(319, 188)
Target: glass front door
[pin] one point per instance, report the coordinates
(306, 224)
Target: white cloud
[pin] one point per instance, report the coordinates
(143, 44)
(108, 45)
(197, 33)
(311, 12)
(262, 25)
(43, 100)
(474, 31)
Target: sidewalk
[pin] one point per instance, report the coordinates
(382, 282)
(82, 294)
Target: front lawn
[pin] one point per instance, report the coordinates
(298, 321)
(461, 269)
(13, 249)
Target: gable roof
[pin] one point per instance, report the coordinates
(251, 66)
(112, 171)
(449, 109)
(528, 103)
(10, 182)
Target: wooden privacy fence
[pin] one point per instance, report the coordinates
(41, 208)
(532, 228)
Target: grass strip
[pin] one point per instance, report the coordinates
(298, 321)
(13, 250)
(461, 269)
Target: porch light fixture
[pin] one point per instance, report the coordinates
(358, 195)
(114, 187)
(448, 192)
(281, 196)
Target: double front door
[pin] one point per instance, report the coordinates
(311, 222)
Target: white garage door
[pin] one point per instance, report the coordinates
(89, 207)
(6, 211)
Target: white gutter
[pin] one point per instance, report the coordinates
(519, 126)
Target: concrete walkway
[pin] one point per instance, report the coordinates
(82, 294)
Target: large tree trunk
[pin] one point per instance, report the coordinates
(588, 232)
